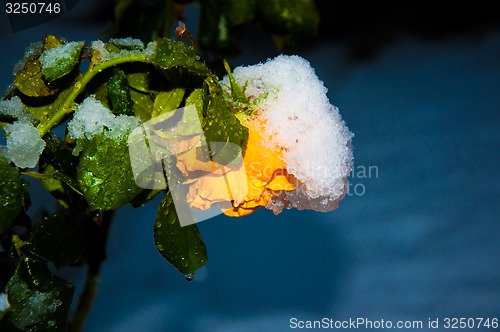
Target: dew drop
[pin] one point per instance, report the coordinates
(189, 277)
(97, 217)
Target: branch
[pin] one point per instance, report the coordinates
(80, 85)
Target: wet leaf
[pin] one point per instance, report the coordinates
(43, 109)
(63, 188)
(119, 93)
(167, 101)
(29, 79)
(57, 239)
(237, 92)
(58, 162)
(196, 98)
(144, 197)
(60, 61)
(39, 300)
(11, 194)
(143, 104)
(145, 78)
(54, 186)
(222, 125)
(105, 175)
(169, 54)
(183, 247)
(139, 81)
(145, 83)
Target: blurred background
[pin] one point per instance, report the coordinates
(417, 237)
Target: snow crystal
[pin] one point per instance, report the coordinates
(89, 119)
(121, 126)
(150, 49)
(39, 305)
(56, 55)
(15, 107)
(102, 54)
(24, 145)
(127, 42)
(92, 118)
(293, 103)
(100, 48)
(31, 52)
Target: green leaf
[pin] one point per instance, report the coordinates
(139, 81)
(105, 175)
(29, 78)
(58, 162)
(64, 189)
(119, 93)
(167, 101)
(237, 92)
(11, 194)
(169, 54)
(42, 109)
(196, 98)
(57, 239)
(54, 186)
(181, 246)
(144, 197)
(39, 300)
(222, 125)
(145, 78)
(60, 61)
(143, 104)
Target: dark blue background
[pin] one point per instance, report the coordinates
(421, 242)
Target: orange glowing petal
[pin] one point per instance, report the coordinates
(265, 172)
(238, 212)
(280, 182)
(264, 167)
(261, 160)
